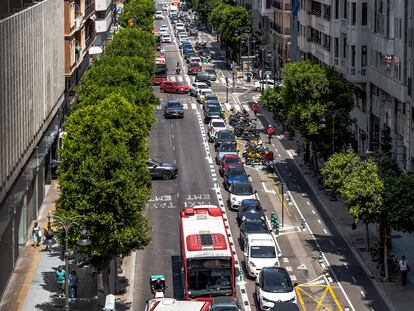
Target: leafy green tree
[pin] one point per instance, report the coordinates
(103, 176)
(273, 101)
(338, 167)
(140, 10)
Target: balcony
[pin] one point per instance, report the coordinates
(90, 8)
(320, 24)
(102, 5)
(103, 25)
(78, 21)
(264, 7)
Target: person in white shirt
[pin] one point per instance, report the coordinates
(404, 270)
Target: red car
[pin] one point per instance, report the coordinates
(229, 160)
(174, 87)
(193, 68)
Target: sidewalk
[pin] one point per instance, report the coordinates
(397, 297)
(33, 284)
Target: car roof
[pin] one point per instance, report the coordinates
(263, 237)
(231, 155)
(225, 131)
(242, 182)
(217, 120)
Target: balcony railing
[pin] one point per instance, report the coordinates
(89, 9)
(316, 13)
(90, 39)
(78, 21)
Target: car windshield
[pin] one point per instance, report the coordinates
(232, 160)
(226, 135)
(203, 86)
(224, 308)
(210, 71)
(202, 77)
(195, 65)
(228, 148)
(277, 282)
(218, 124)
(251, 207)
(242, 189)
(237, 171)
(214, 110)
(179, 83)
(262, 252)
(256, 227)
(174, 105)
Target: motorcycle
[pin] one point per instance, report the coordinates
(157, 292)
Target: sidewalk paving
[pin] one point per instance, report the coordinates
(397, 297)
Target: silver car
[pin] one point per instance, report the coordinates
(161, 169)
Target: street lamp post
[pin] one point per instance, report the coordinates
(66, 224)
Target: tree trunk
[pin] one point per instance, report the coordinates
(105, 276)
(367, 236)
(385, 233)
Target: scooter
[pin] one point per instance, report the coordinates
(157, 292)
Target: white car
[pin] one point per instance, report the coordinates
(264, 84)
(159, 15)
(195, 59)
(164, 7)
(259, 252)
(273, 284)
(196, 86)
(239, 191)
(179, 27)
(166, 38)
(214, 126)
(164, 29)
(202, 93)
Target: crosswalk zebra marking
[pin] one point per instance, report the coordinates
(180, 78)
(194, 106)
(246, 107)
(228, 106)
(185, 106)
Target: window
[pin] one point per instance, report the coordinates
(363, 56)
(353, 51)
(336, 47)
(364, 14)
(345, 9)
(353, 17)
(397, 27)
(344, 48)
(327, 13)
(72, 14)
(336, 8)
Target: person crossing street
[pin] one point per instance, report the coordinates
(270, 131)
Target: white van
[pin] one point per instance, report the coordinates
(260, 251)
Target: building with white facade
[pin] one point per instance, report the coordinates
(104, 10)
(369, 44)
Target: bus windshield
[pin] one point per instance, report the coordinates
(209, 277)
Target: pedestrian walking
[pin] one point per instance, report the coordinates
(37, 234)
(73, 284)
(270, 131)
(60, 278)
(45, 233)
(255, 108)
(404, 269)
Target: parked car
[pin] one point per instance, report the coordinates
(251, 226)
(264, 84)
(273, 284)
(174, 87)
(159, 15)
(223, 150)
(212, 74)
(166, 38)
(234, 173)
(250, 209)
(196, 86)
(225, 137)
(212, 112)
(162, 169)
(259, 252)
(229, 160)
(214, 126)
(224, 304)
(239, 191)
(203, 77)
(193, 68)
(173, 109)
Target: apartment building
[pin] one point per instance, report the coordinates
(262, 15)
(368, 43)
(104, 19)
(79, 33)
(281, 33)
(32, 84)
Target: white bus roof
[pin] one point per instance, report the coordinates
(170, 304)
(204, 233)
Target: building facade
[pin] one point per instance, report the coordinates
(369, 44)
(32, 84)
(104, 20)
(79, 34)
(281, 33)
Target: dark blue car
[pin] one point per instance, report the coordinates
(187, 48)
(234, 173)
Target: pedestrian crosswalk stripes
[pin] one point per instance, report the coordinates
(246, 107)
(190, 79)
(227, 105)
(193, 106)
(185, 106)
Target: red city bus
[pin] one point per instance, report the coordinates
(160, 73)
(207, 256)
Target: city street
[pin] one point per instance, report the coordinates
(181, 141)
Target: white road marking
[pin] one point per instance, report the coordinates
(293, 277)
(363, 294)
(285, 260)
(223, 80)
(187, 79)
(237, 107)
(227, 105)
(185, 106)
(180, 79)
(178, 195)
(246, 107)
(172, 78)
(194, 106)
(307, 202)
(250, 179)
(319, 221)
(289, 268)
(354, 279)
(267, 190)
(324, 230)
(313, 212)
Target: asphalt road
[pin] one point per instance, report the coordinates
(179, 141)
